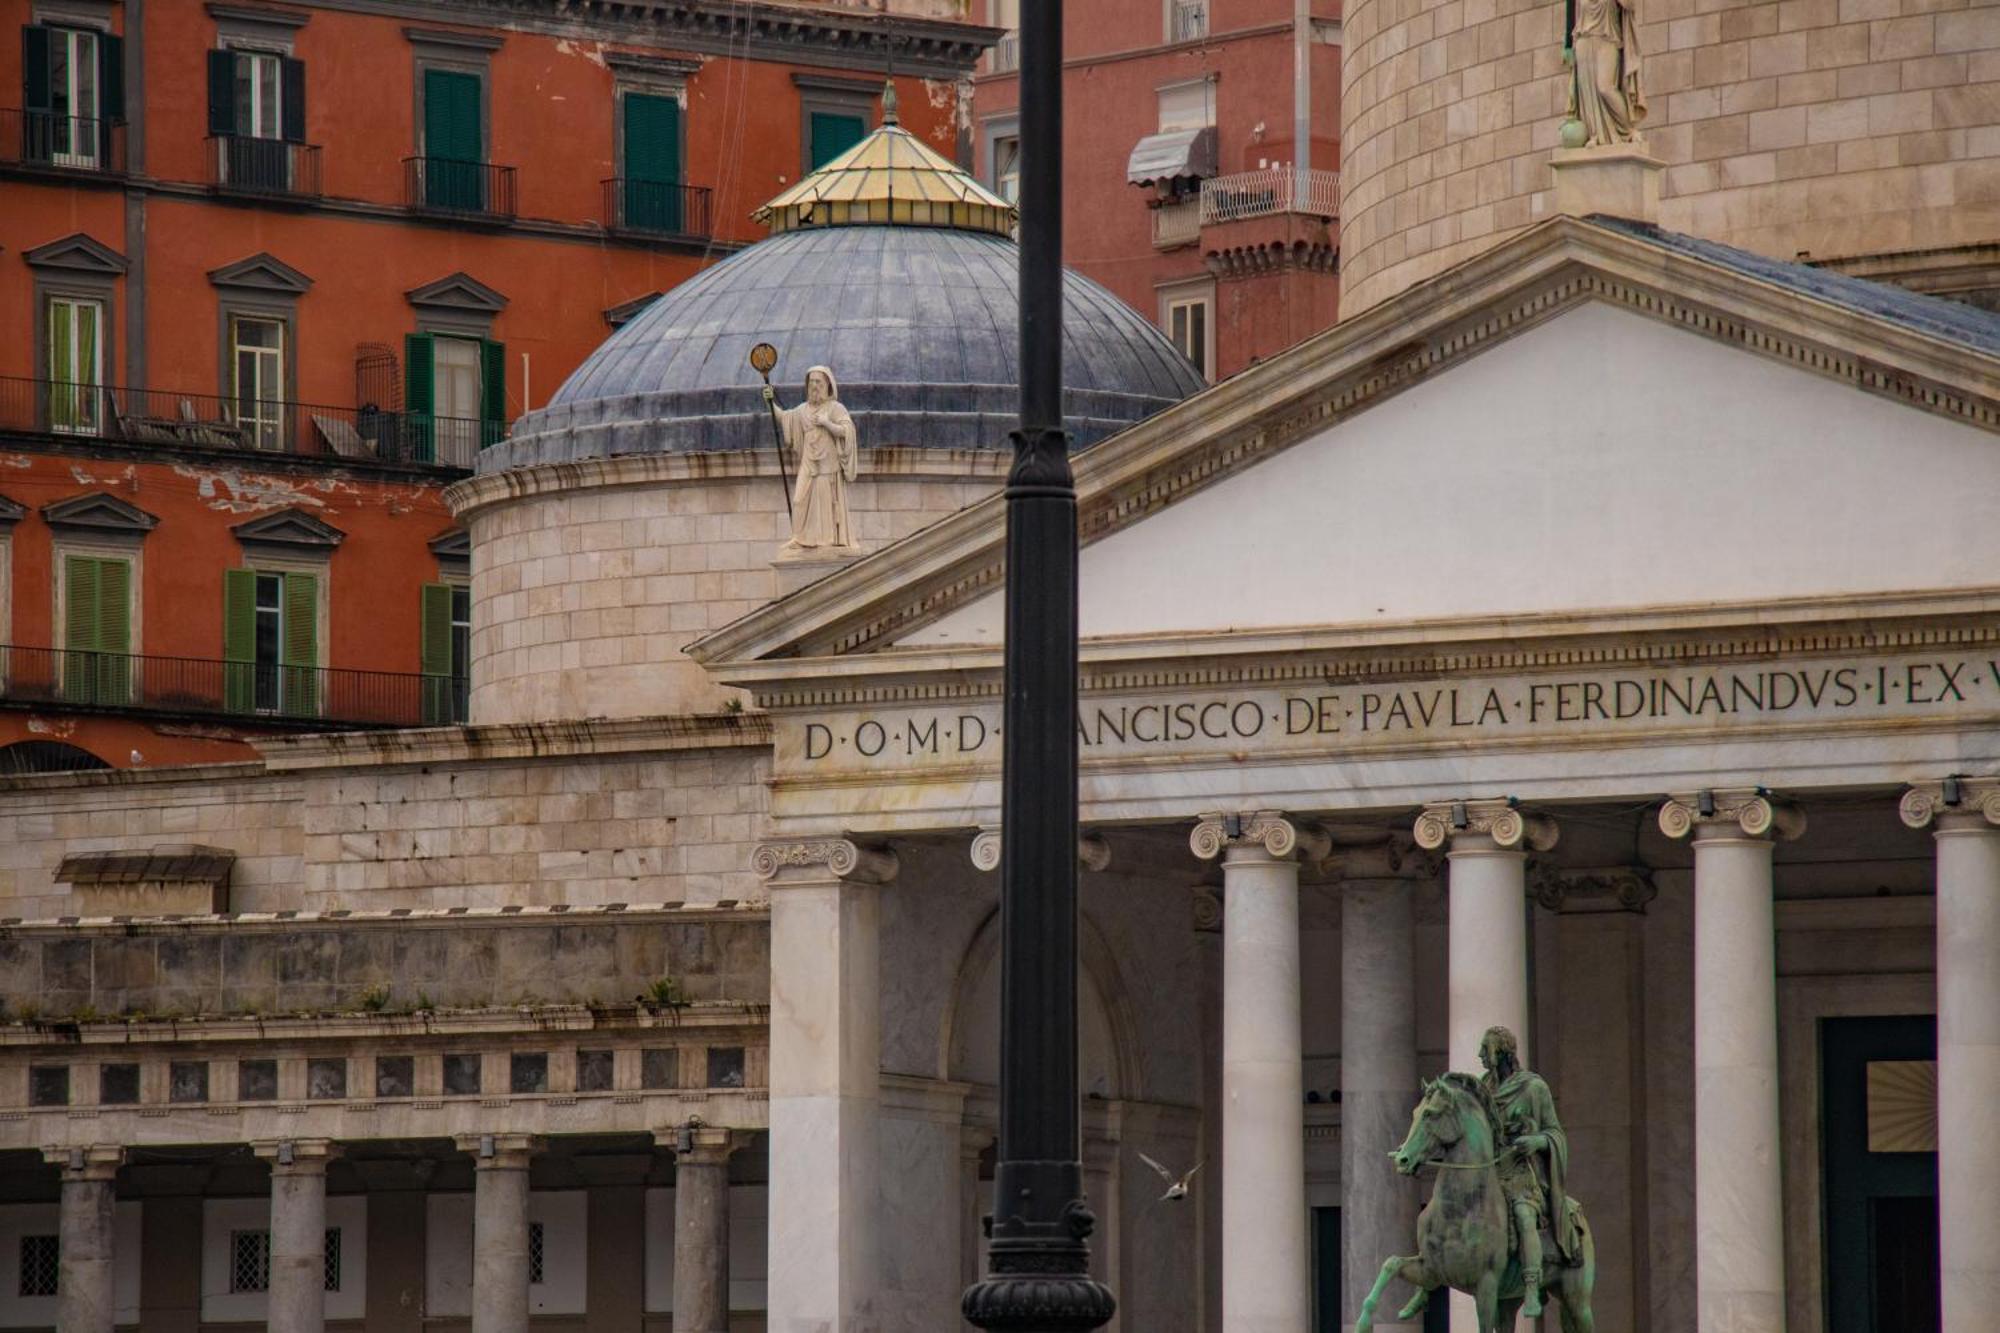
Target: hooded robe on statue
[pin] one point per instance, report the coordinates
(821, 435)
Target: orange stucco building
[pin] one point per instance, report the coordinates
(270, 276)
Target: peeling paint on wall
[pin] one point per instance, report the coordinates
(591, 51)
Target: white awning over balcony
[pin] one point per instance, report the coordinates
(1172, 153)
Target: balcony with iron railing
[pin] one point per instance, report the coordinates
(1187, 20)
(1269, 191)
(153, 417)
(247, 691)
(244, 164)
(58, 142)
(656, 208)
(463, 189)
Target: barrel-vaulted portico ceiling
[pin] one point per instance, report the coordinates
(1599, 512)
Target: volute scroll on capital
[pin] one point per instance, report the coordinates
(1092, 851)
(1754, 812)
(1280, 835)
(1500, 819)
(1971, 798)
(839, 858)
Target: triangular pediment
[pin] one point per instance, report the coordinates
(76, 253)
(99, 512)
(453, 544)
(11, 512)
(1589, 416)
(618, 316)
(262, 272)
(289, 527)
(458, 291)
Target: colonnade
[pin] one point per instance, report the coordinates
(296, 1292)
(826, 1047)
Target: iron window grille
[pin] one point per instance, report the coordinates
(249, 1261)
(529, 1072)
(660, 1067)
(535, 1253)
(333, 1258)
(593, 1071)
(187, 1081)
(48, 1085)
(461, 1075)
(257, 1081)
(41, 1262)
(725, 1066)
(326, 1079)
(395, 1075)
(118, 1085)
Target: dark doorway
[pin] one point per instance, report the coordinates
(1880, 1165)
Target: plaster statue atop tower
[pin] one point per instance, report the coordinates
(820, 434)
(1605, 103)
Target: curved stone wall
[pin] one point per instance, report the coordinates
(590, 578)
(1831, 127)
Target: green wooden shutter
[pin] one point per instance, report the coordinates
(114, 631)
(37, 100)
(80, 618)
(652, 162)
(492, 391)
(454, 148)
(434, 652)
(301, 645)
(419, 395)
(292, 96)
(239, 640)
(222, 93)
(834, 134)
(110, 76)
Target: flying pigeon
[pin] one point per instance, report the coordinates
(1177, 1186)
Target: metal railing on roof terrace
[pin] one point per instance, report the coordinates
(1269, 190)
(252, 692)
(142, 417)
(61, 142)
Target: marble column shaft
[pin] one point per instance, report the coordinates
(1738, 1174)
(826, 1040)
(701, 1234)
(86, 1298)
(500, 1230)
(1378, 1078)
(1968, 1045)
(1266, 1280)
(297, 1300)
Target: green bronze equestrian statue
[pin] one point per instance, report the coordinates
(1498, 1226)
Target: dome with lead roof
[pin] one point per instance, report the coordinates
(890, 266)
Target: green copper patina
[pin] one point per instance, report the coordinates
(1498, 1226)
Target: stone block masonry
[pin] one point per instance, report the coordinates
(1832, 128)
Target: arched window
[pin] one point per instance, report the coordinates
(45, 757)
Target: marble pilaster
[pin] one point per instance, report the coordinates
(1266, 1283)
(1378, 1062)
(86, 1301)
(500, 1229)
(1966, 816)
(297, 1298)
(1739, 1187)
(826, 1039)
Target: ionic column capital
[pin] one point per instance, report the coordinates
(502, 1151)
(816, 860)
(96, 1161)
(1092, 851)
(296, 1157)
(1278, 834)
(1955, 805)
(1498, 819)
(1732, 812)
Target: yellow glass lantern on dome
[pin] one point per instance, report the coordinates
(890, 178)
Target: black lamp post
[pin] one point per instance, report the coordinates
(1038, 1264)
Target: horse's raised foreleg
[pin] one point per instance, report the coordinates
(1408, 1267)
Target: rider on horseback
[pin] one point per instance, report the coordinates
(1533, 1160)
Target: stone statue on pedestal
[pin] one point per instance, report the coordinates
(820, 434)
(1605, 104)
(1498, 1225)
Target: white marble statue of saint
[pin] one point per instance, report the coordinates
(1604, 93)
(820, 434)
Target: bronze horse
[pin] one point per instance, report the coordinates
(1462, 1239)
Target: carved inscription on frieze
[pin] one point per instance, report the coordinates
(1582, 706)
